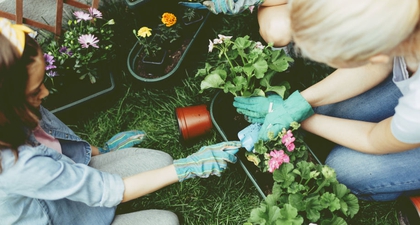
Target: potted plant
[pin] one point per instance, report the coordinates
(168, 35)
(296, 187)
(152, 55)
(77, 59)
(244, 67)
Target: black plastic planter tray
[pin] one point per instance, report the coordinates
(228, 123)
(69, 99)
(137, 48)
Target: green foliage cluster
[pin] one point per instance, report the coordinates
(245, 67)
(71, 58)
(306, 193)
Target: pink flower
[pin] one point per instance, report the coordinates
(288, 140)
(82, 16)
(87, 40)
(95, 13)
(277, 158)
(251, 8)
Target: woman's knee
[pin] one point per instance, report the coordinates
(274, 24)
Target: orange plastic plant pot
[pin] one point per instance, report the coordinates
(416, 202)
(193, 121)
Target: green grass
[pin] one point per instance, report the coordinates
(216, 200)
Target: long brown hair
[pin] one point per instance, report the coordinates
(17, 116)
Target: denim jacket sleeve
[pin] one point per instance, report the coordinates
(44, 173)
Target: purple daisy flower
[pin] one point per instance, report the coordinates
(49, 62)
(82, 16)
(95, 13)
(65, 50)
(87, 40)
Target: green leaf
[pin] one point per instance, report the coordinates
(284, 175)
(335, 220)
(330, 201)
(296, 200)
(279, 65)
(289, 216)
(352, 203)
(211, 81)
(261, 68)
(313, 208)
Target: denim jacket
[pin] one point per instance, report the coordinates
(46, 187)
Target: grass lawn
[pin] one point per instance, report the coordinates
(216, 200)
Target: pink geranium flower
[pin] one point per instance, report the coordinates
(288, 140)
(87, 40)
(277, 158)
(82, 16)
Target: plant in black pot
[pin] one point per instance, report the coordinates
(297, 188)
(78, 58)
(153, 55)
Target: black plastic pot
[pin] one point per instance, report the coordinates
(136, 50)
(132, 4)
(154, 66)
(68, 102)
(228, 123)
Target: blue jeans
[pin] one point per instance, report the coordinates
(373, 177)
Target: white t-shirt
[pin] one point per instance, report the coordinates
(405, 125)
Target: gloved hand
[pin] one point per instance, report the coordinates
(122, 140)
(228, 7)
(256, 108)
(209, 160)
(294, 109)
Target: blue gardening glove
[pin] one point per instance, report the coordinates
(294, 109)
(228, 7)
(122, 140)
(256, 108)
(209, 160)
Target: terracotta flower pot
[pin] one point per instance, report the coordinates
(193, 121)
(408, 209)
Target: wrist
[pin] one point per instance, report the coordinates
(297, 107)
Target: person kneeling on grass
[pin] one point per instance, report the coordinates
(370, 105)
(48, 175)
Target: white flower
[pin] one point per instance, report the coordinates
(223, 37)
(210, 46)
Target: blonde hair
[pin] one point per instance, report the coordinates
(351, 31)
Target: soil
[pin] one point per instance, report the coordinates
(172, 58)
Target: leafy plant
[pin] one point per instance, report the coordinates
(165, 33)
(306, 193)
(150, 44)
(189, 14)
(244, 68)
(82, 49)
(303, 192)
(168, 30)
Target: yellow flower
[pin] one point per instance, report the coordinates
(168, 19)
(144, 32)
(252, 158)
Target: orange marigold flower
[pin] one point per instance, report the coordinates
(168, 19)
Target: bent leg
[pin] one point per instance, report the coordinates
(373, 177)
(377, 177)
(130, 161)
(274, 23)
(147, 217)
